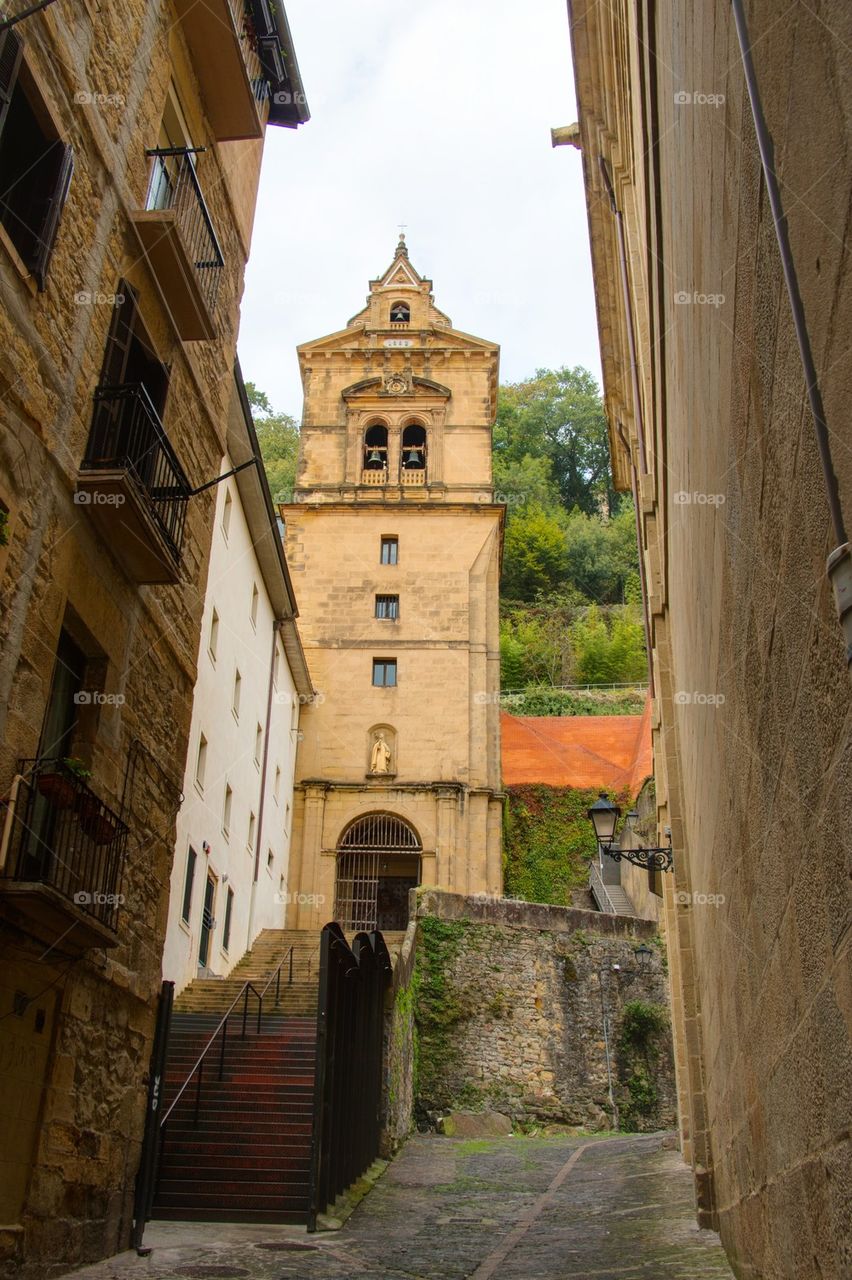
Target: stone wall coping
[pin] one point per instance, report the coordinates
(488, 909)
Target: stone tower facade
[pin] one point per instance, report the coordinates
(394, 542)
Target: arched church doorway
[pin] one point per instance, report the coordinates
(378, 863)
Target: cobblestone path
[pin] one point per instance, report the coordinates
(512, 1208)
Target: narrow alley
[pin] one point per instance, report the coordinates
(522, 1208)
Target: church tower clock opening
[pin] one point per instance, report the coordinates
(394, 543)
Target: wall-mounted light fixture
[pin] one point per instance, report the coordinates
(604, 815)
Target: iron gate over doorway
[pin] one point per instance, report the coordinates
(378, 863)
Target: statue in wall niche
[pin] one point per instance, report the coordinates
(381, 756)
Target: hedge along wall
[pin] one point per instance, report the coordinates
(509, 1016)
(548, 841)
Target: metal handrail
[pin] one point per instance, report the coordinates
(599, 889)
(242, 994)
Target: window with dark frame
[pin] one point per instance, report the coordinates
(186, 908)
(35, 164)
(390, 551)
(384, 673)
(387, 607)
(226, 932)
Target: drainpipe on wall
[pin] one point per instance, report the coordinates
(839, 565)
(643, 583)
(276, 628)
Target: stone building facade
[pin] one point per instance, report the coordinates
(230, 874)
(710, 425)
(130, 146)
(394, 543)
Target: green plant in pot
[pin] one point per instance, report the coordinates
(58, 784)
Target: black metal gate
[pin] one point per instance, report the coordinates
(347, 1093)
(368, 852)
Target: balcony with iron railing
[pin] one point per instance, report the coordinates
(62, 857)
(224, 38)
(177, 236)
(132, 484)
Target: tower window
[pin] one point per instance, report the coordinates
(414, 448)
(387, 606)
(390, 551)
(376, 448)
(226, 810)
(384, 673)
(400, 313)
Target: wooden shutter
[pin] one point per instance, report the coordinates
(46, 238)
(10, 61)
(120, 337)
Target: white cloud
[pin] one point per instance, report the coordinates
(437, 115)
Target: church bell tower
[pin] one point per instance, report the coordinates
(394, 544)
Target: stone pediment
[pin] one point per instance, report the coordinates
(396, 383)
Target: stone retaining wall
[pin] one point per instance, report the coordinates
(511, 1001)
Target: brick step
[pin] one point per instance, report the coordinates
(166, 1213)
(209, 1178)
(215, 1129)
(195, 1144)
(182, 1168)
(225, 1197)
(291, 1119)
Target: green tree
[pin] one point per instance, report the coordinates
(278, 437)
(558, 415)
(534, 553)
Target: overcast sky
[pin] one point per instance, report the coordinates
(436, 114)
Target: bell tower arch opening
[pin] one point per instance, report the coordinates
(378, 864)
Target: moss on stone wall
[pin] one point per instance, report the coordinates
(548, 842)
(642, 1038)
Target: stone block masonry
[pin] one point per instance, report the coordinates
(528, 1010)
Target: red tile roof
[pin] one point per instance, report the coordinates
(578, 751)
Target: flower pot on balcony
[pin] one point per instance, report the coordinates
(99, 828)
(57, 789)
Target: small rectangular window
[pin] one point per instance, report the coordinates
(387, 606)
(213, 640)
(254, 599)
(187, 886)
(250, 836)
(238, 688)
(226, 810)
(226, 932)
(276, 789)
(390, 550)
(258, 744)
(201, 762)
(384, 673)
(270, 859)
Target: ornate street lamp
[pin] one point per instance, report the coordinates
(604, 815)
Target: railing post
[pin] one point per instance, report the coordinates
(245, 1012)
(259, 1011)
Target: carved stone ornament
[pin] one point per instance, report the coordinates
(398, 384)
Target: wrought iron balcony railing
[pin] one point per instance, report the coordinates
(127, 435)
(57, 832)
(174, 186)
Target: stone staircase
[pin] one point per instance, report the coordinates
(620, 901)
(247, 1157)
(299, 997)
